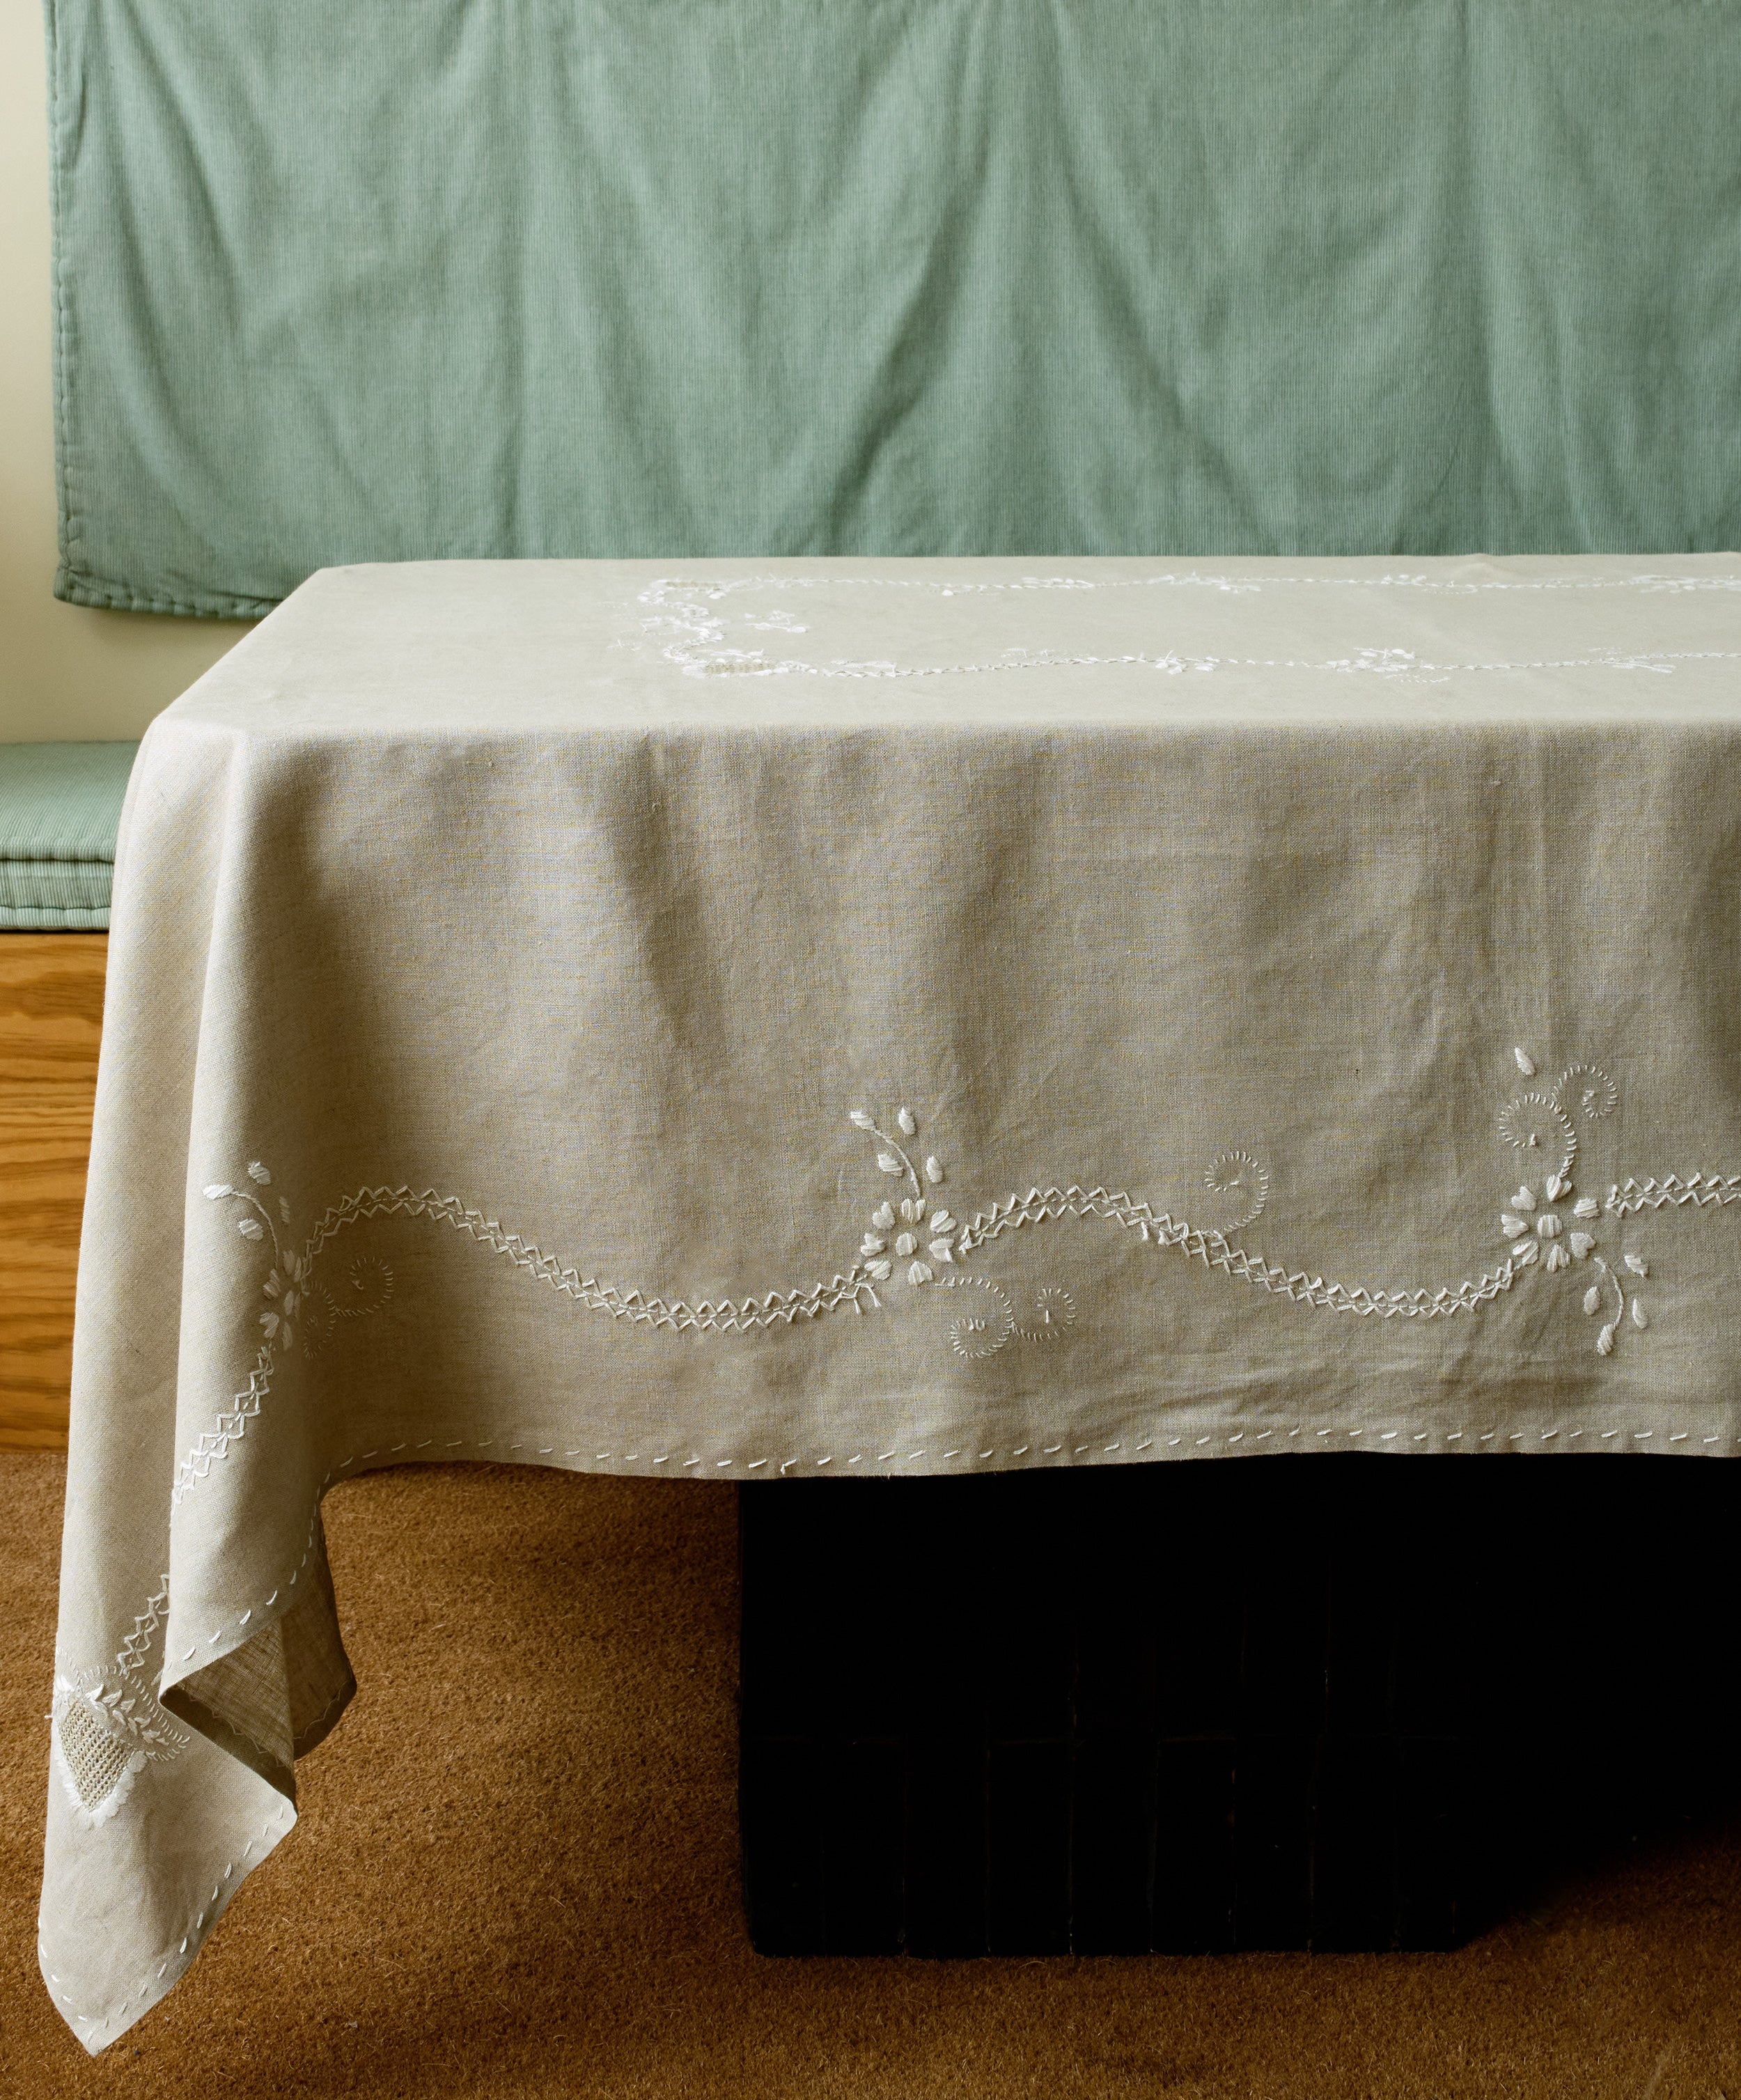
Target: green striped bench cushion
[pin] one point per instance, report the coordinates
(59, 809)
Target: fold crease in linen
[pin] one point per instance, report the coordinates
(747, 1021)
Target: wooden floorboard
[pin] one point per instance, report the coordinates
(51, 1021)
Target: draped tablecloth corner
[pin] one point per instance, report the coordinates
(738, 1020)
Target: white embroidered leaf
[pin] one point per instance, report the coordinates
(861, 1121)
(1605, 1341)
(1548, 1225)
(1592, 1298)
(905, 1119)
(1526, 1252)
(1636, 1263)
(1637, 1314)
(905, 1245)
(1523, 1200)
(1581, 1244)
(882, 1270)
(1586, 1206)
(872, 1245)
(256, 1172)
(920, 1272)
(941, 1222)
(269, 1320)
(251, 1228)
(888, 1162)
(1556, 1187)
(941, 1250)
(933, 1169)
(1511, 1227)
(284, 1211)
(1558, 1257)
(882, 1216)
(272, 1285)
(214, 1189)
(911, 1210)
(1526, 1063)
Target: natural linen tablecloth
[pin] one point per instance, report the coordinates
(846, 1018)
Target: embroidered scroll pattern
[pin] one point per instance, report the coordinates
(1243, 1180)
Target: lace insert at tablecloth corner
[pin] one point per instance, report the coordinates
(107, 1724)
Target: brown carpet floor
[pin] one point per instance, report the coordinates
(516, 1876)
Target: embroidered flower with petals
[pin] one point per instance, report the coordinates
(938, 1232)
(286, 1292)
(909, 1226)
(1536, 1232)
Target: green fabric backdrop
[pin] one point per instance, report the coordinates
(349, 280)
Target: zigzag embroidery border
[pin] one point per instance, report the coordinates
(781, 1308)
(1216, 1250)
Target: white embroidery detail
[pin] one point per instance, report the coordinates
(1054, 1311)
(1245, 1179)
(691, 612)
(987, 1324)
(292, 1303)
(1589, 1090)
(96, 1766)
(107, 1725)
(910, 1242)
(1216, 1250)
(1698, 1190)
(1536, 1122)
(917, 1216)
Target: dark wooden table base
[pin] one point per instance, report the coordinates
(1343, 1702)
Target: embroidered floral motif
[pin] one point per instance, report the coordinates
(1545, 1121)
(919, 1230)
(290, 1294)
(276, 1321)
(1587, 1091)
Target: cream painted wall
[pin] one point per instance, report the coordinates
(65, 670)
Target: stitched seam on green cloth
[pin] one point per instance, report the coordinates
(75, 587)
(47, 856)
(45, 919)
(25, 886)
